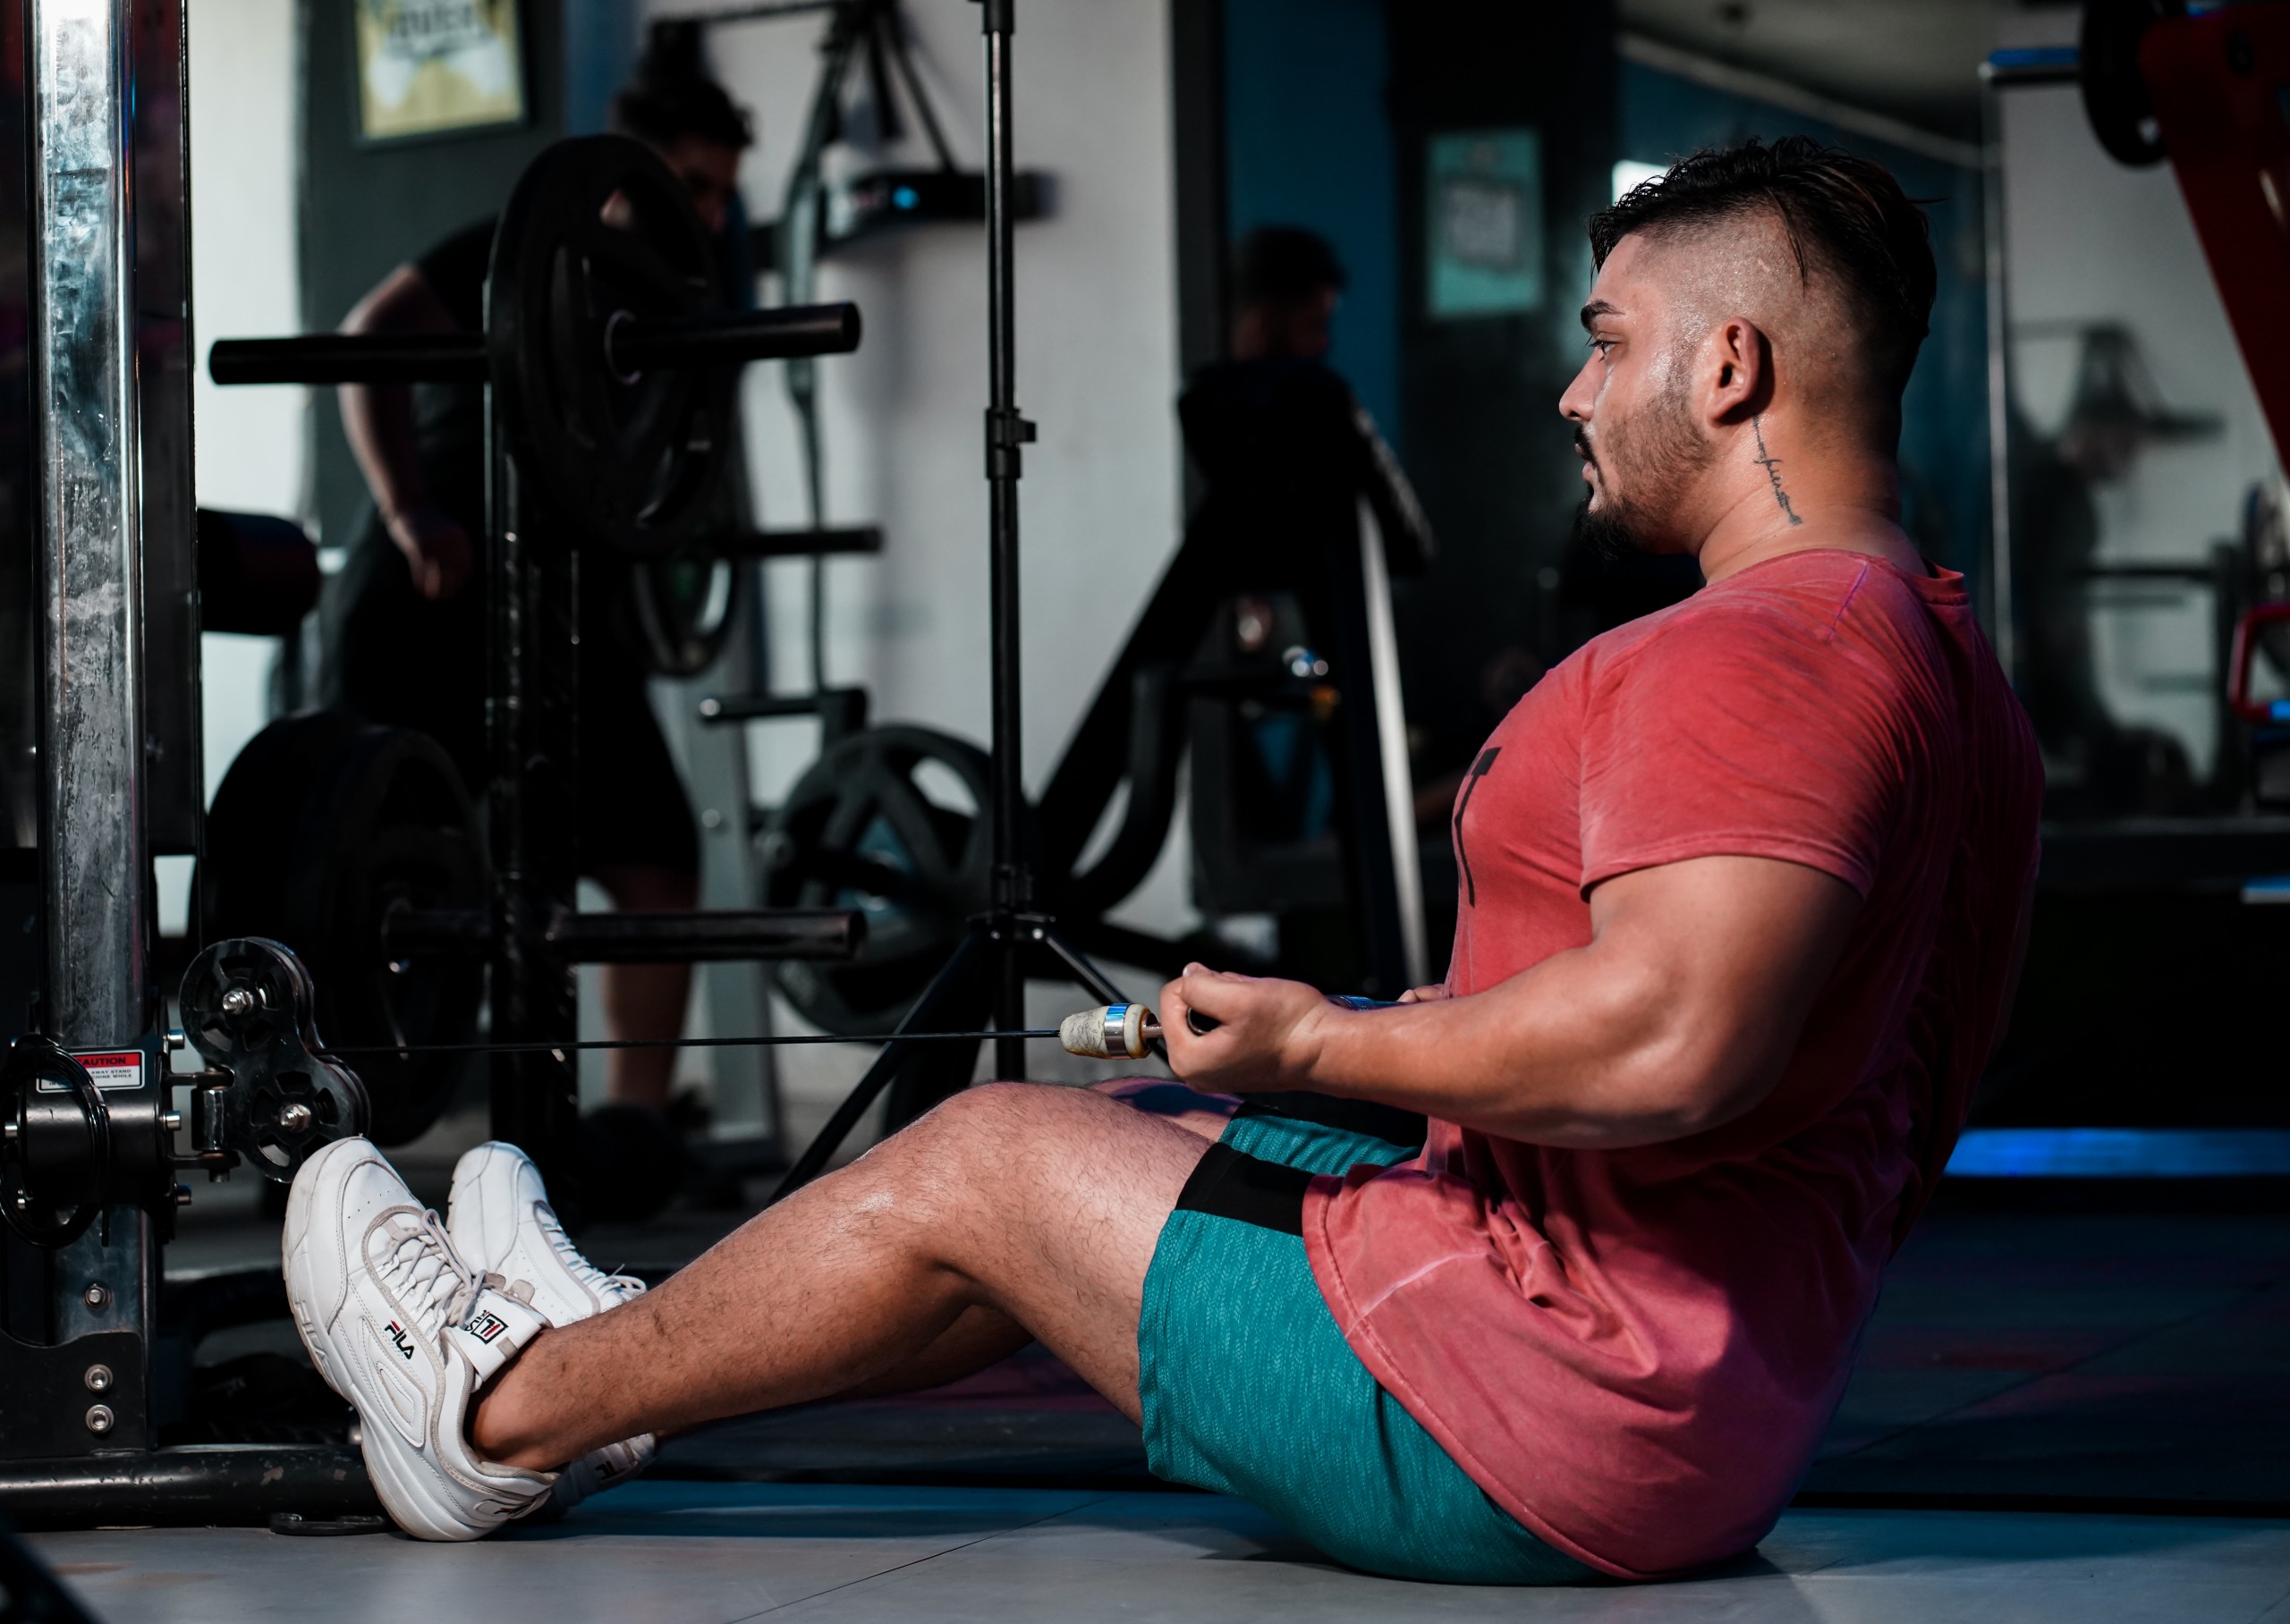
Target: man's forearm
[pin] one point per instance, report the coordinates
(1679, 1013)
(1569, 1052)
(378, 420)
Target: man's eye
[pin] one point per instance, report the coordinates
(1599, 345)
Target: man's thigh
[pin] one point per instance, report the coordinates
(1205, 1114)
(1050, 1201)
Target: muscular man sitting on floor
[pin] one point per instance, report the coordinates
(1743, 884)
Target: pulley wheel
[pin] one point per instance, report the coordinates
(323, 825)
(56, 1157)
(683, 606)
(599, 233)
(2114, 92)
(248, 1006)
(892, 821)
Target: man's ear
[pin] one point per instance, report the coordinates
(1737, 366)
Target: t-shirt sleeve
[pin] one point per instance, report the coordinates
(455, 271)
(1740, 735)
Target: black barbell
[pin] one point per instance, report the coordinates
(607, 345)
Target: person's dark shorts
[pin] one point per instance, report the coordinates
(1248, 1388)
(396, 657)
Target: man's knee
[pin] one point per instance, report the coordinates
(986, 1119)
(944, 1176)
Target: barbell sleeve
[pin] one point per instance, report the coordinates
(631, 344)
(350, 358)
(709, 935)
(715, 935)
(636, 346)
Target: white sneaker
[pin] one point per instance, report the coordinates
(407, 1332)
(501, 1221)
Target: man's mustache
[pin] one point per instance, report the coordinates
(1583, 447)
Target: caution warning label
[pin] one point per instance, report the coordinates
(112, 1068)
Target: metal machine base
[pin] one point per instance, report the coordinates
(206, 1485)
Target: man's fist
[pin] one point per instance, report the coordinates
(437, 549)
(1266, 1037)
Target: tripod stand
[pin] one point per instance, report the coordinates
(985, 976)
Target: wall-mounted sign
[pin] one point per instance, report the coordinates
(430, 67)
(1484, 191)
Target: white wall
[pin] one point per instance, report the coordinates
(1096, 368)
(242, 243)
(250, 441)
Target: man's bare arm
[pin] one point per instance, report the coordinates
(378, 420)
(1678, 1016)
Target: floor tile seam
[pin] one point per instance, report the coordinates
(2033, 1377)
(960, 1545)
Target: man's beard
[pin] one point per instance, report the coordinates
(1609, 533)
(1656, 453)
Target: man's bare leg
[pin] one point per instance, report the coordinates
(1040, 1204)
(983, 1336)
(645, 1001)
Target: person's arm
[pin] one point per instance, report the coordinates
(1678, 1016)
(378, 419)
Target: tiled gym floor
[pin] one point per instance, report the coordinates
(705, 1553)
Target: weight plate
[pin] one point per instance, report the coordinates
(599, 231)
(682, 606)
(322, 825)
(891, 821)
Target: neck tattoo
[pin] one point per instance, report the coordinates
(1771, 464)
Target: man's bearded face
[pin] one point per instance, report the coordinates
(1643, 458)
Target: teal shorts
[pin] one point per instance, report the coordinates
(1248, 1387)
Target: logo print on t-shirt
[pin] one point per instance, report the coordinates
(1479, 770)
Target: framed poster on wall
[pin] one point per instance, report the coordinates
(1484, 191)
(435, 67)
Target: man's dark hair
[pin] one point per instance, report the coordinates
(672, 97)
(1282, 265)
(1844, 217)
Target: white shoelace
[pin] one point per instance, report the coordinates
(423, 1273)
(611, 1286)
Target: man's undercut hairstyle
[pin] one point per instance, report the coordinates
(1284, 265)
(673, 97)
(1845, 217)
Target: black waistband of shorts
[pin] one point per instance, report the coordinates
(1229, 1184)
(1388, 1123)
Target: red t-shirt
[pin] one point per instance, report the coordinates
(1635, 1352)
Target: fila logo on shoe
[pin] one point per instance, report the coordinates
(398, 1336)
(485, 1327)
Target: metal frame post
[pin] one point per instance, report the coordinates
(533, 682)
(84, 398)
(94, 856)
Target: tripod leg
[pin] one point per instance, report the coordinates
(1086, 974)
(935, 1072)
(951, 983)
(930, 1078)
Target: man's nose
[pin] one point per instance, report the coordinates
(1574, 405)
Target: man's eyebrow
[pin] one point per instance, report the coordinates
(1596, 309)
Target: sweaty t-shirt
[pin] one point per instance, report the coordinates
(1635, 1351)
